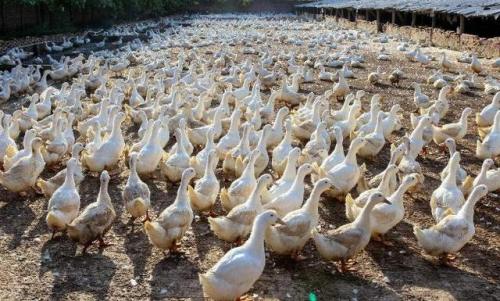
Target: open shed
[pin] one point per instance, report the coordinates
(477, 17)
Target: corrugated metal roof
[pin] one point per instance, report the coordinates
(468, 8)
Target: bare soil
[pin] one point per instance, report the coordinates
(35, 267)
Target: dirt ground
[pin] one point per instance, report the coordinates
(33, 267)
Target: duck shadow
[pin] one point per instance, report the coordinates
(16, 217)
(404, 265)
(84, 273)
(326, 284)
(204, 239)
(138, 249)
(165, 282)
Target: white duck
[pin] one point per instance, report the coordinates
(455, 130)
(110, 151)
(232, 138)
(448, 195)
(199, 161)
(49, 186)
(291, 199)
(281, 151)
(174, 165)
(95, 220)
(452, 232)
(291, 237)
(490, 146)
(236, 272)
(461, 173)
(487, 115)
(236, 225)
(354, 206)
(345, 175)
(385, 216)
(64, 204)
(240, 189)
(487, 176)
(168, 229)
(287, 177)
(136, 194)
(206, 189)
(346, 241)
(151, 153)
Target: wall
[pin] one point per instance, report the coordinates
(488, 48)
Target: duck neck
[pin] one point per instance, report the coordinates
(249, 170)
(464, 119)
(351, 155)
(263, 139)
(235, 123)
(378, 127)
(339, 147)
(254, 199)
(312, 203)
(397, 196)
(298, 183)
(496, 124)
(467, 210)
(134, 177)
(290, 170)
(154, 135)
(70, 180)
(451, 178)
(386, 180)
(209, 167)
(278, 123)
(116, 131)
(103, 196)
(255, 242)
(182, 195)
(482, 173)
(363, 219)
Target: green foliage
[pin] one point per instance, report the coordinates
(61, 15)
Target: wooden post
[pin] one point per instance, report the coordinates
(413, 19)
(379, 25)
(366, 15)
(336, 15)
(393, 21)
(461, 26)
(433, 24)
(349, 14)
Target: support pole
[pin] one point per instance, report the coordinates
(433, 24)
(379, 24)
(461, 27)
(393, 17)
(366, 15)
(413, 19)
(336, 15)
(349, 14)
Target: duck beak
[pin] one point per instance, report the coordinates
(386, 201)
(280, 221)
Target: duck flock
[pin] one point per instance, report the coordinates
(223, 115)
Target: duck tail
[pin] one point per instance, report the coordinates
(349, 203)
(192, 195)
(44, 187)
(419, 234)
(224, 198)
(10, 151)
(156, 234)
(214, 223)
(56, 220)
(316, 167)
(467, 185)
(138, 207)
